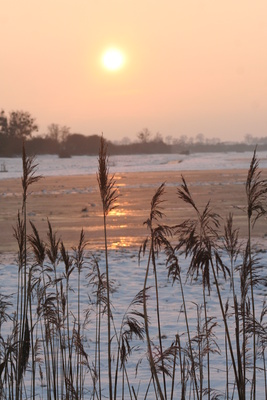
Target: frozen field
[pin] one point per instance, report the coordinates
(83, 165)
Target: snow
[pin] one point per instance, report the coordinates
(128, 278)
(83, 165)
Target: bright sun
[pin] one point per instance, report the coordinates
(113, 59)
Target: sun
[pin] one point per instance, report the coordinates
(113, 59)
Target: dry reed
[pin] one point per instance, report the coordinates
(47, 343)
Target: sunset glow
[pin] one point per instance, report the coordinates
(177, 68)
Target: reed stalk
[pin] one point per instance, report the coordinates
(79, 264)
(157, 239)
(38, 248)
(69, 267)
(55, 309)
(29, 177)
(131, 326)
(153, 257)
(206, 332)
(174, 271)
(256, 192)
(109, 196)
(198, 238)
(98, 280)
(148, 340)
(232, 247)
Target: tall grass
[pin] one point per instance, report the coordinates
(63, 338)
(256, 191)
(108, 195)
(21, 320)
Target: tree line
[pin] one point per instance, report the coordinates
(20, 126)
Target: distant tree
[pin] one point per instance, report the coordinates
(249, 139)
(42, 145)
(212, 141)
(125, 141)
(57, 132)
(158, 138)
(21, 124)
(78, 144)
(181, 140)
(262, 140)
(65, 132)
(53, 132)
(169, 139)
(200, 138)
(3, 123)
(144, 135)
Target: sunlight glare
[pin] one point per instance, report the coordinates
(113, 59)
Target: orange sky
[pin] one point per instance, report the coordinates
(194, 66)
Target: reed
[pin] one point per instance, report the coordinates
(29, 177)
(199, 237)
(109, 196)
(56, 335)
(256, 191)
(97, 280)
(174, 272)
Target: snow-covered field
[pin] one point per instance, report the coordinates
(83, 165)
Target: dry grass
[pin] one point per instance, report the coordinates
(46, 344)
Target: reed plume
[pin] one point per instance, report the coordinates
(156, 239)
(109, 195)
(198, 238)
(20, 232)
(256, 191)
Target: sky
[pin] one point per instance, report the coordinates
(194, 66)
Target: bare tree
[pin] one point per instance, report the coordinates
(158, 138)
(169, 139)
(53, 131)
(64, 131)
(57, 132)
(144, 135)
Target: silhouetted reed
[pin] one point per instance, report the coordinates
(29, 177)
(109, 196)
(155, 241)
(256, 191)
(56, 340)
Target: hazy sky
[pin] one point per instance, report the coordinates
(191, 66)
